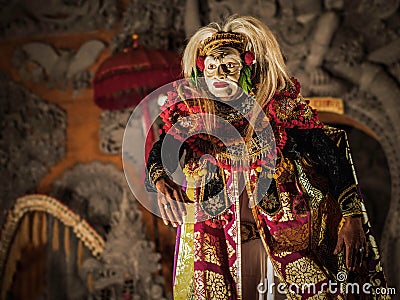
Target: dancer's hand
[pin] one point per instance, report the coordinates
(352, 238)
(171, 201)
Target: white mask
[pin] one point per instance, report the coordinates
(222, 71)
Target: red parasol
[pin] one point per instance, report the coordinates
(124, 79)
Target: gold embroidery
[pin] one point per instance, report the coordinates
(211, 285)
(316, 195)
(156, 172)
(270, 205)
(349, 189)
(291, 239)
(230, 250)
(248, 231)
(233, 270)
(349, 200)
(303, 270)
(315, 198)
(207, 248)
(350, 203)
(286, 202)
(185, 264)
(282, 254)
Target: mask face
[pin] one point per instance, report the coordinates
(222, 71)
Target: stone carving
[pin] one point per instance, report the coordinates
(388, 54)
(25, 18)
(378, 8)
(112, 127)
(32, 139)
(125, 267)
(58, 68)
(263, 9)
(159, 24)
(192, 17)
(94, 191)
(314, 78)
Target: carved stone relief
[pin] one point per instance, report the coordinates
(94, 191)
(112, 127)
(159, 25)
(125, 267)
(57, 68)
(98, 192)
(351, 50)
(24, 18)
(32, 139)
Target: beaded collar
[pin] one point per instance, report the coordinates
(286, 109)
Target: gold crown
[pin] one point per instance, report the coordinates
(223, 39)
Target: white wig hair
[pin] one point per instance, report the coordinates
(270, 69)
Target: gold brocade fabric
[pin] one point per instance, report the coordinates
(208, 250)
(301, 242)
(183, 285)
(297, 218)
(211, 285)
(298, 222)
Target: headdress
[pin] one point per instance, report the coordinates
(223, 39)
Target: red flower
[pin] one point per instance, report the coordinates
(249, 58)
(200, 62)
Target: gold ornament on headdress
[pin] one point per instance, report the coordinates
(223, 39)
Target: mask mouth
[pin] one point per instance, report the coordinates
(220, 84)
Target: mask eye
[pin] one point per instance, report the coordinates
(230, 65)
(211, 66)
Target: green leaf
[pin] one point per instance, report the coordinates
(245, 79)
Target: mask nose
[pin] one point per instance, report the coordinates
(222, 71)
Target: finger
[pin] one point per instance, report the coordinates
(163, 214)
(162, 191)
(349, 257)
(175, 210)
(172, 200)
(355, 257)
(165, 206)
(184, 196)
(358, 257)
(180, 202)
(172, 210)
(339, 245)
(355, 252)
(170, 214)
(184, 201)
(162, 210)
